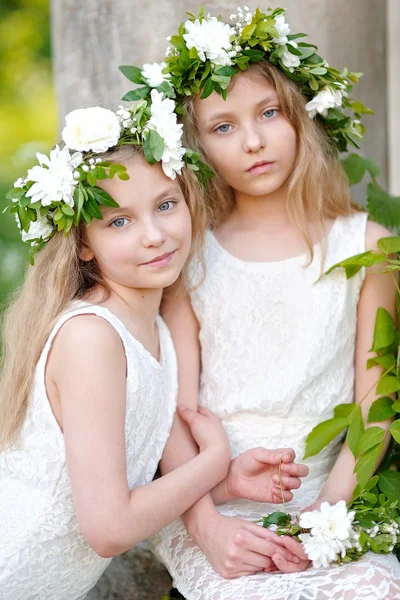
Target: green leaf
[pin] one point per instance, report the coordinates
(225, 71)
(137, 94)
(148, 152)
(387, 361)
(344, 410)
(371, 437)
(365, 465)
(92, 207)
(91, 178)
(355, 168)
(323, 434)
(389, 384)
(318, 71)
(389, 245)
(382, 207)
(389, 484)
(132, 73)
(358, 107)
(381, 410)
(385, 331)
(276, 518)
(156, 144)
(353, 264)
(208, 88)
(67, 210)
(103, 197)
(254, 55)
(356, 429)
(395, 430)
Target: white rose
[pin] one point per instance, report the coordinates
(95, 128)
(153, 73)
(211, 38)
(327, 98)
(54, 178)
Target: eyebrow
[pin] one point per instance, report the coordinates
(224, 115)
(109, 212)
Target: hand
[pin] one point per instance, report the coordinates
(281, 562)
(206, 429)
(235, 547)
(255, 475)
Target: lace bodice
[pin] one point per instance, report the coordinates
(277, 350)
(43, 555)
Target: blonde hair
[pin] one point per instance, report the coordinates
(59, 277)
(318, 188)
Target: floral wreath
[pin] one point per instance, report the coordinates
(206, 53)
(61, 191)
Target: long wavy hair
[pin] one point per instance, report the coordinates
(58, 277)
(318, 188)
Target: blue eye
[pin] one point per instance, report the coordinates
(118, 223)
(167, 205)
(271, 112)
(223, 128)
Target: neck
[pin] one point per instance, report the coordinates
(143, 303)
(266, 209)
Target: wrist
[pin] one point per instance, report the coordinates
(199, 517)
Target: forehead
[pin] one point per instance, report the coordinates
(248, 88)
(146, 184)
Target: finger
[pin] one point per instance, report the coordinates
(206, 413)
(289, 567)
(296, 470)
(270, 544)
(187, 414)
(294, 546)
(279, 496)
(273, 457)
(256, 560)
(291, 483)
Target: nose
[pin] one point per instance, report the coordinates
(253, 139)
(152, 234)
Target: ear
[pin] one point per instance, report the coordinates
(86, 253)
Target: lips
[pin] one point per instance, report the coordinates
(260, 163)
(159, 259)
(262, 166)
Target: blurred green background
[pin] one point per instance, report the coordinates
(28, 114)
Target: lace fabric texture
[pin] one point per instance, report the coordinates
(278, 347)
(43, 555)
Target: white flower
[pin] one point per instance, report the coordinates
(328, 97)
(211, 38)
(94, 128)
(290, 60)
(39, 229)
(153, 73)
(19, 183)
(283, 30)
(331, 532)
(163, 120)
(54, 179)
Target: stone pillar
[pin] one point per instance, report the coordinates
(91, 38)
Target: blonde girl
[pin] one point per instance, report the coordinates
(89, 379)
(278, 347)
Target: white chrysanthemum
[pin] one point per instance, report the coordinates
(19, 183)
(124, 117)
(326, 98)
(163, 120)
(290, 60)
(331, 532)
(54, 179)
(153, 73)
(95, 128)
(211, 38)
(283, 30)
(39, 229)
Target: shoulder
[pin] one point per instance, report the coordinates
(375, 232)
(87, 339)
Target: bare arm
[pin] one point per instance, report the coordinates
(89, 367)
(377, 291)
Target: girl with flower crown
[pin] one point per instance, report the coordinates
(278, 345)
(89, 379)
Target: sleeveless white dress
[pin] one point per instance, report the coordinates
(277, 357)
(43, 555)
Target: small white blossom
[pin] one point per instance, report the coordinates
(39, 229)
(163, 120)
(283, 30)
(19, 183)
(211, 38)
(153, 73)
(85, 168)
(326, 98)
(290, 60)
(95, 128)
(54, 178)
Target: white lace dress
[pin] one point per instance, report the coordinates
(277, 357)
(43, 555)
